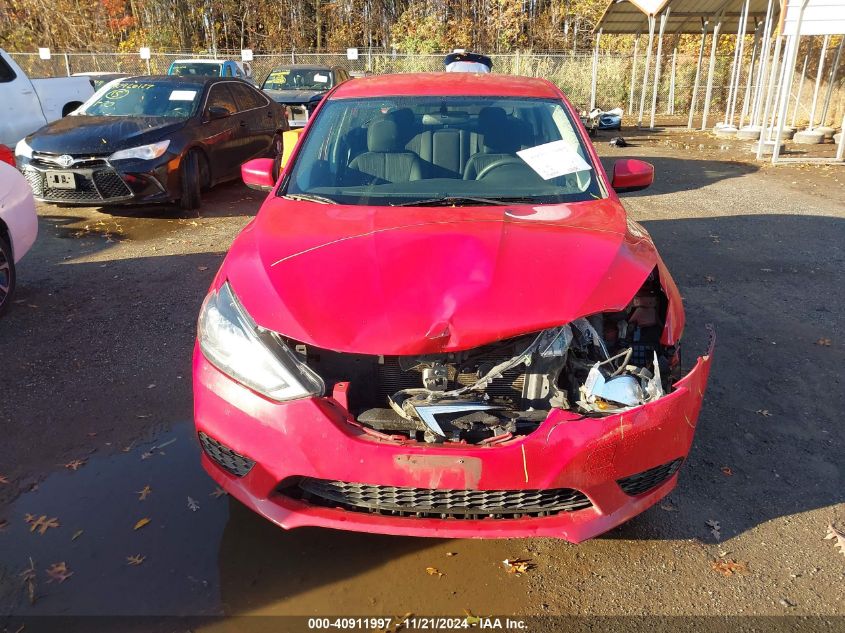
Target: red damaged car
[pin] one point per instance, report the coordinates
(442, 323)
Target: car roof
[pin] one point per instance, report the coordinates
(200, 61)
(446, 84)
(197, 80)
(304, 67)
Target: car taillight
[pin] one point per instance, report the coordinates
(7, 155)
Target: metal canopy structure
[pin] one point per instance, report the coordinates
(630, 17)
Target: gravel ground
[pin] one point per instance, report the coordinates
(95, 366)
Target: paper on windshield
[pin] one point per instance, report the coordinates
(554, 159)
(321, 79)
(183, 95)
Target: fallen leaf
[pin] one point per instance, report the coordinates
(92, 434)
(75, 464)
(146, 455)
(76, 535)
(59, 571)
(143, 493)
(218, 492)
(433, 571)
(4, 480)
(193, 506)
(715, 528)
(42, 523)
(135, 560)
(141, 523)
(518, 566)
(28, 576)
(726, 470)
(764, 412)
(451, 553)
(729, 567)
(151, 386)
(824, 342)
(669, 507)
(839, 535)
(202, 268)
(709, 279)
(472, 620)
(4, 523)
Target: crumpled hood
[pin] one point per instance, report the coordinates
(80, 134)
(292, 96)
(381, 280)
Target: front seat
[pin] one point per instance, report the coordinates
(500, 140)
(385, 160)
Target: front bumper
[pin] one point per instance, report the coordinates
(99, 182)
(312, 438)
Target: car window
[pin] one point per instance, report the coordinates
(399, 150)
(221, 97)
(202, 69)
(298, 79)
(246, 97)
(228, 71)
(144, 98)
(6, 72)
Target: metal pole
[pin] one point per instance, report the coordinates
(764, 65)
(832, 80)
(695, 82)
(595, 71)
(657, 64)
(670, 108)
(746, 101)
(735, 93)
(800, 89)
(651, 22)
(67, 64)
(734, 63)
(818, 82)
(764, 122)
(708, 94)
(633, 73)
(786, 81)
(840, 151)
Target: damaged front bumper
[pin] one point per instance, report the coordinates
(308, 463)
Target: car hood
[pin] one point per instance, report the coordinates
(80, 134)
(381, 280)
(292, 96)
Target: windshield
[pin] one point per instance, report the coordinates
(202, 69)
(456, 150)
(144, 98)
(298, 79)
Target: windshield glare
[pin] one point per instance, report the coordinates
(134, 98)
(401, 150)
(201, 69)
(298, 79)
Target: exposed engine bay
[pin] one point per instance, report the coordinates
(603, 364)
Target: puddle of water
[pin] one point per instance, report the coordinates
(223, 558)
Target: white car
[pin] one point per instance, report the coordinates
(18, 227)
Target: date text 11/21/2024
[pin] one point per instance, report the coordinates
(421, 623)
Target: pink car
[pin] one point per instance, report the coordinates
(442, 323)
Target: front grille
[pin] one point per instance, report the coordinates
(225, 457)
(436, 503)
(97, 186)
(649, 479)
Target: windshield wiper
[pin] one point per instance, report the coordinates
(307, 197)
(461, 201)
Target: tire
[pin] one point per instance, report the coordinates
(7, 275)
(190, 182)
(276, 152)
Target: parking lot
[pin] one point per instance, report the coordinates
(95, 405)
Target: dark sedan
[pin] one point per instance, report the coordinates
(152, 139)
(299, 88)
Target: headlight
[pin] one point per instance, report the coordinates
(144, 152)
(258, 358)
(23, 149)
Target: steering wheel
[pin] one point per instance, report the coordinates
(499, 164)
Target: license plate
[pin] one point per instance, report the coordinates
(61, 180)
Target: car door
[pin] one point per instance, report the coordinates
(260, 123)
(224, 136)
(20, 110)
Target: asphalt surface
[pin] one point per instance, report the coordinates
(95, 367)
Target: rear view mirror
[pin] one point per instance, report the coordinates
(216, 112)
(258, 174)
(631, 175)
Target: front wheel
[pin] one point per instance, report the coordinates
(190, 182)
(7, 275)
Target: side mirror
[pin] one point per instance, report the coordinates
(258, 174)
(631, 175)
(216, 112)
(314, 101)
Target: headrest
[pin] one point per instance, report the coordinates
(404, 118)
(382, 136)
(491, 116)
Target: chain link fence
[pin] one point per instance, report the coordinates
(571, 71)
